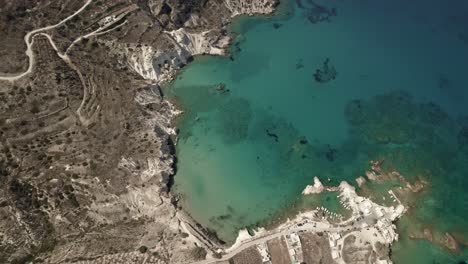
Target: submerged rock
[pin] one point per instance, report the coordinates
(330, 154)
(299, 64)
(272, 135)
(450, 242)
(443, 82)
(316, 13)
(303, 141)
(277, 25)
(326, 73)
(394, 118)
(235, 116)
(221, 88)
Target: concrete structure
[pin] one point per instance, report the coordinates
(263, 249)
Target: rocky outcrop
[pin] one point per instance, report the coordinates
(326, 73)
(206, 42)
(160, 60)
(141, 61)
(314, 189)
(240, 7)
(161, 65)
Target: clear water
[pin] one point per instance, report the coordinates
(400, 93)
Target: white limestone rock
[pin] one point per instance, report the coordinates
(250, 7)
(314, 189)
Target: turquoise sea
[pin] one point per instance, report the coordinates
(392, 84)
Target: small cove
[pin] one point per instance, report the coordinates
(400, 93)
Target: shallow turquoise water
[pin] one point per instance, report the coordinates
(400, 93)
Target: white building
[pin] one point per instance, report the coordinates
(263, 249)
(294, 247)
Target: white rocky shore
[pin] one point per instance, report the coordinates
(161, 65)
(250, 7)
(370, 226)
(314, 189)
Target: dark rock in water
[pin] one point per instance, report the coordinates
(443, 82)
(231, 58)
(221, 88)
(299, 65)
(237, 47)
(277, 25)
(303, 141)
(223, 217)
(273, 135)
(330, 154)
(326, 73)
(318, 13)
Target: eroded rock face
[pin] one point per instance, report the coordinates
(86, 154)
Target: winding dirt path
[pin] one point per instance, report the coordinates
(29, 40)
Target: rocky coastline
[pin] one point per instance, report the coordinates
(159, 67)
(147, 63)
(87, 153)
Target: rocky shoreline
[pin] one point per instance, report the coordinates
(193, 44)
(160, 67)
(87, 153)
